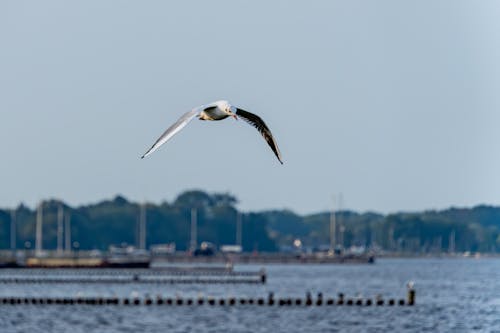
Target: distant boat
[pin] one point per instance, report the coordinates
(205, 249)
(127, 257)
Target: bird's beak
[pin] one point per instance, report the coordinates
(234, 116)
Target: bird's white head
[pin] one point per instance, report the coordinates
(229, 109)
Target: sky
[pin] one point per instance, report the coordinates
(394, 104)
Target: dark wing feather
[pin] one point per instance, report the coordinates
(261, 126)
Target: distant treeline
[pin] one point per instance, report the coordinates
(116, 221)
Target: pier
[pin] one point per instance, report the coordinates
(166, 275)
(83, 259)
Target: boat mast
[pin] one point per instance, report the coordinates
(142, 227)
(67, 232)
(13, 222)
(238, 229)
(60, 221)
(39, 225)
(333, 227)
(194, 227)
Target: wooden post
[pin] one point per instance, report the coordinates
(411, 295)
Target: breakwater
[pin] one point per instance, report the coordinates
(271, 300)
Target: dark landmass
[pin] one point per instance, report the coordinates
(115, 221)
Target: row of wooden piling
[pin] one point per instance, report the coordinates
(210, 301)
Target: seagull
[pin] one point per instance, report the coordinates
(218, 110)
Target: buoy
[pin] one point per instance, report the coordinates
(263, 276)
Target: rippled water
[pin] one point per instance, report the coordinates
(453, 295)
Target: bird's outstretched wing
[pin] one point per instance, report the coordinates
(259, 124)
(172, 130)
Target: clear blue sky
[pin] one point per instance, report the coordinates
(393, 103)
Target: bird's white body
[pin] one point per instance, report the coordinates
(214, 111)
(212, 115)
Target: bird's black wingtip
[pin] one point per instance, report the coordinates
(142, 157)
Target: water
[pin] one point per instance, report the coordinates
(453, 295)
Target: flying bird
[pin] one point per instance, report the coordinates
(217, 111)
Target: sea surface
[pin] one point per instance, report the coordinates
(452, 295)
